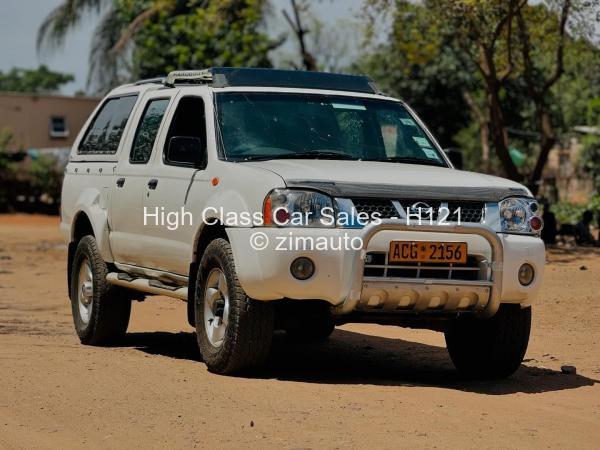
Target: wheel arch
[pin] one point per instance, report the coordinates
(93, 203)
(203, 237)
(90, 218)
(81, 227)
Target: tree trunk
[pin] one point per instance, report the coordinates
(546, 144)
(308, 60)
(497, 125)
(485, 147)
(498, 131)
(484, 131)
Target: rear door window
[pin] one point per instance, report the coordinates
(145, 135)
(104, 134)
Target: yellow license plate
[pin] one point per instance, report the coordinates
(428, 252)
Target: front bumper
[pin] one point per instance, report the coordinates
(427, 294)
(339, 280)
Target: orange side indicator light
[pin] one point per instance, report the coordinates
(267, 211)
(214, 181)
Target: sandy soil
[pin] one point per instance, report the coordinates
(370, 386)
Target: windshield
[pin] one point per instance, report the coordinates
(261, 126)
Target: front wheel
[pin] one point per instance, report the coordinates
(234, 332)
(490, 348)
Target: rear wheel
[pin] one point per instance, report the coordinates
(234, 331)
(490, 348)
(100, 312)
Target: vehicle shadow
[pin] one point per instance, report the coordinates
(180, 345)
(354, 358)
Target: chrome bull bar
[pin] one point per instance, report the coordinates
(494, 284)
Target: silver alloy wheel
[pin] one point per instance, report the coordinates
(216, 307)
(85, 291)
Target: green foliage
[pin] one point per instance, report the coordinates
(590, 158)
(467, 139)
(569, 213)
(593, 109)
(576, 96)
(6, 168)
(5, 140)
(594, 204)
(146, 38)
(46, 177)
(200, 34)
(39, 177)
(419, 64)
(434, 53)
(33, 80)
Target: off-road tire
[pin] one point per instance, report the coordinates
(111, 308)
(249, 333)
(490, 348)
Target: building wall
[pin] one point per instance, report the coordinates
(562, 179)
(28, 117)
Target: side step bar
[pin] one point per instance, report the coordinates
(147, 285)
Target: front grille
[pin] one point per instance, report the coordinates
(470, 212)
(412, 208)
(385, 208)
(376, 265)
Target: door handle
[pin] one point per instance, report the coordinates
(153, 183)
(120, 182)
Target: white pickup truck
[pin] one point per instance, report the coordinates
(282, 200)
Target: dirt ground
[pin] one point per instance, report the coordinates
(369, 386)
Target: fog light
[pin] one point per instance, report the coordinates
(302, 268)
(526, 274)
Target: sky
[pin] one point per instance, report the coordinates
(20, 19)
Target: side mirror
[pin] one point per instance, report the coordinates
(186, 151)
(455, 157)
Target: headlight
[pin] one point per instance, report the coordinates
(519, 215)
(291, 208)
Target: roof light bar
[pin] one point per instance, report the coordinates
(221, 77)
(204, 75)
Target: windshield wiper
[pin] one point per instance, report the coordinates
(410, 160)
(301, 155)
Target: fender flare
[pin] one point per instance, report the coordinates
(91, 202)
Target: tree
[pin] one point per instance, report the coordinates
(417, 63)
(218, 33)
(6, 168)
(308, 60)
(140, 37)
(108, 58)
(33, 80)
(590, 158)
(35, 176)
(496, 39)
(45, 182)
(540, 20)
(319, 46)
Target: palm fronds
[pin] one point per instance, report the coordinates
(64, 18)
(106, 67)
